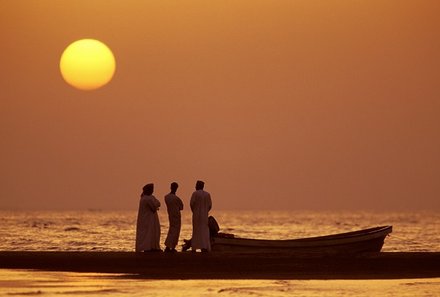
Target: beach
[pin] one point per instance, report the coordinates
(216, 265)
(54, 284)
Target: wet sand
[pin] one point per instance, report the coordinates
(384, 265)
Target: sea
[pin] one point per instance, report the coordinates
(99, 230)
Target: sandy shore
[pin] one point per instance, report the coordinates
(232, 265)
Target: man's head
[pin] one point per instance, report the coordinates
(174, 187)
(148, 189)
(200, 185)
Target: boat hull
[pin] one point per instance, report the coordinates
(367, 240)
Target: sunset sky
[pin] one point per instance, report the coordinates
(290, 105)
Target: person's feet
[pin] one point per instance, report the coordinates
(168, 250)
(153, 251)
(187, 245)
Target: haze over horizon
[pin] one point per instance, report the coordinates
(291, 105)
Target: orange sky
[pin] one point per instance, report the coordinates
(275, 104)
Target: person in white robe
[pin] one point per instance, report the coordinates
(148, 226)
(174, 206)
(201, 204)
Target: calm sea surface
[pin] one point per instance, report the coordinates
(115, 231)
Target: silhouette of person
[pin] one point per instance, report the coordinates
(200, 204)
(174, 206)
(148, 226)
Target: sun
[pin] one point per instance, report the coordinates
(87, 64)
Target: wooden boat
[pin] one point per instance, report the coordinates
(366, 240)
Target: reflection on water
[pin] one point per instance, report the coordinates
(114, 230)
(30, 283)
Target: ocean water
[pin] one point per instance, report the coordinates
(25, 283)
(115, 231)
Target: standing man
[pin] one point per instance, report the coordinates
(200, 206)
(174, 206)
(148, 226)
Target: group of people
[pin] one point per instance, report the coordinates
(148, 226)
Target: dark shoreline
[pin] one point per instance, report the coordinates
(384, 265)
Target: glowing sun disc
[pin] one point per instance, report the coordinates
(87, 64)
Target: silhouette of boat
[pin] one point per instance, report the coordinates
(366, 240)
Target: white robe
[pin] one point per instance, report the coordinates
(148, 226)
(200, 205)
(174, 206)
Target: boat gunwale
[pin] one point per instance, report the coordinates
(326, 240)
